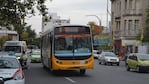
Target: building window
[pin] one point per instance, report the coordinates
(118, 27)
(120, 7)
(137, 6)
(125, 4)
(125, 26)
(136, 26)
(130, 27)
(137, 2)
(130, 4)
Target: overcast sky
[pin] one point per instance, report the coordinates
(76, 11)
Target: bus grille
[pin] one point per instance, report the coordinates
(72, 57)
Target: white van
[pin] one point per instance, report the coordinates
(20, 49)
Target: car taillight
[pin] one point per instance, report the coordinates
(18, 74)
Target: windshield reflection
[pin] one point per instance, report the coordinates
(72, 44)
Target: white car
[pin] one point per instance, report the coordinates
(10, 70)
(96, 53)
(108, 58)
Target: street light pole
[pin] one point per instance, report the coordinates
(99, 20)
(107, 13)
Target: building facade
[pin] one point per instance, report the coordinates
(10, 33)
(51, 20)
(127, 21)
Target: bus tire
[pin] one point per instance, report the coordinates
(82, 71)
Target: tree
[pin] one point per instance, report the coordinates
(28, 35)
(92, 25)
(13, 12)
(146, 29)
(96, 30)
(144, 33)
(3, 39)
(24, 35)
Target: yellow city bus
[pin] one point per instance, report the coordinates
(67, 47)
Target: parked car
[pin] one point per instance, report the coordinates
(36, 56)
(10, 70)
(137, 61)
(108, 58)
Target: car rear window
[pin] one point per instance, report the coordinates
(110, 54)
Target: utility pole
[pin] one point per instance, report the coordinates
(99, 25)
(107, 15)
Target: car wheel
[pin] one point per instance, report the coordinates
(127, 67)
(99, 62)
(138, 69)
(105, 63)
(118, 64)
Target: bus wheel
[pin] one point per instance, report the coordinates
(82, 71)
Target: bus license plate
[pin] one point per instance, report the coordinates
(82, 62)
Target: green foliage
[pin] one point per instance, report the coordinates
(138, 36)
(24, 35)
(146, 30)
(3, 39)
(92, 24)
(13, 11)
(28, 35)
(36, 42)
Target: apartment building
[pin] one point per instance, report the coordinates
(127, 21)
(11, 33)
(53, 20)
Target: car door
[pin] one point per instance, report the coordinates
(103, 58)
(100, 57)
(132, 61)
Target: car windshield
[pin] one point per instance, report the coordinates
(16, 49)
(143, 57)
(72, 44)
(109, 54)
(7, 62)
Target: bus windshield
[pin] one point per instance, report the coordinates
(72, 44)
(16, 49)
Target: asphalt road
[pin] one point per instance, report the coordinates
(101, 74)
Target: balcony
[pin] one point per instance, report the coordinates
(132, 12)
(130, 34)
(116, 33)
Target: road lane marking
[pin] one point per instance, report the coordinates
(69, 79)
